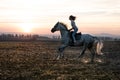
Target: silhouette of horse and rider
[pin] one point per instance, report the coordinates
(72, 38)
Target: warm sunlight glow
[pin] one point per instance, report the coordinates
(93, 16)
(26, 27)
(27, 30)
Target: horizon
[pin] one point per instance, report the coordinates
(38, 17)
(51, 35)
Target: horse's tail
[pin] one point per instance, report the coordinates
(99, 46)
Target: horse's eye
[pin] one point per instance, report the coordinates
(55, 25)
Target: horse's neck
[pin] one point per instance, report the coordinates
(64, 34)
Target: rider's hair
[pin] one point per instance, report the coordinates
(71, 17)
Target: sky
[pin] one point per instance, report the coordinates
(39, 16)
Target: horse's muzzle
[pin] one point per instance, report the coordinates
(52, 30)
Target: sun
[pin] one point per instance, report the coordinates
(27, 30)
(26, 27)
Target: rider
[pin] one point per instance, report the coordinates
(74, 27)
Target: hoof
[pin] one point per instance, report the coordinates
(58, 58)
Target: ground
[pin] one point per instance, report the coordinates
(35, 60)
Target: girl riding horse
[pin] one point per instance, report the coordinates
(74, 27)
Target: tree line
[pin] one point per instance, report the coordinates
(13, 37)
(29, 37)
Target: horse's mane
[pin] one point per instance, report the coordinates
(64, 25)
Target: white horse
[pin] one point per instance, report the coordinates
(85, 40)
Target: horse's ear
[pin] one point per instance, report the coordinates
(58, 22)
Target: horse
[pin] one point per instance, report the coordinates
(87, 41)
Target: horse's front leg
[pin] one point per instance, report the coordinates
(60, 51)
(83, 51)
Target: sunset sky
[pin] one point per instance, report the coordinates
(39, 16)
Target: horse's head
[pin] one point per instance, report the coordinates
(59, 26)
(56, 27)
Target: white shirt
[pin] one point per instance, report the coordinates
(73, 25)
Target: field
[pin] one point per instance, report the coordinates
(36, 61)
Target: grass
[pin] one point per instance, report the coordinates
(35, 61)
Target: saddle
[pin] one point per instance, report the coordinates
(77, 37)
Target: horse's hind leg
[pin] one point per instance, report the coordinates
(92, 54)
(83, 51)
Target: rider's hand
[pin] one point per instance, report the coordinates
(70, 29)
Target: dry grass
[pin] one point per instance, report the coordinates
(35, 61)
